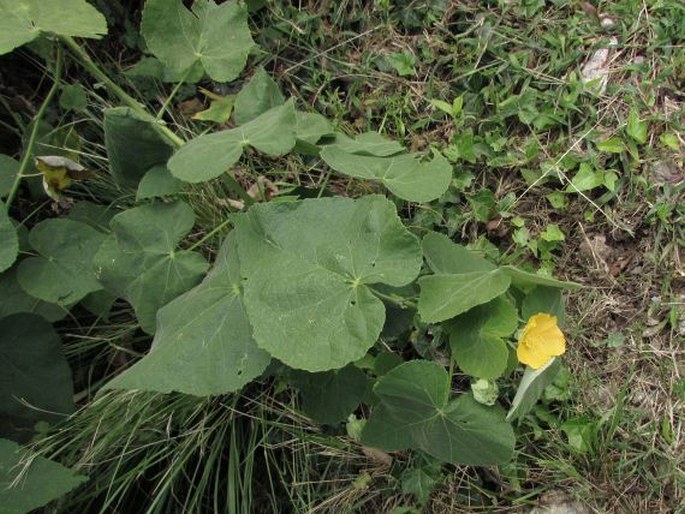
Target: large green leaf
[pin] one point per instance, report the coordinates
(8, 172)
(158, 182)
(9, 242)
(403, 175)
(208, 156)
(476, 338)
(544, 299)
(462, 280)
(28, 481)
(444, 256)
(36, 379)
(22, 21)
(140, 260)
(444, 295)
(62, 273)
(203, 344)
(14, 299)
(133, 145)
(368, 143)
(306, 268)
(532, 385)
(259, 95)
(415, 412)
(331, 396)
(213, 37)
(311, 127)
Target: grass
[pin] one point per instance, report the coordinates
(611, 436)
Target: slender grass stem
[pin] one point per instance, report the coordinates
(209, 234)
(36, 124)
(171, 96)
(131, 102)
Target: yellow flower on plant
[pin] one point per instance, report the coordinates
(540, 341)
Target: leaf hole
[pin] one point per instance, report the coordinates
(353, 302)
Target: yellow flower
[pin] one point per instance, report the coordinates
(540, 341)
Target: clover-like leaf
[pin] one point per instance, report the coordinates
(404, 175)
(476, 338)
(259, 95)
(36, 379)
(29, 481)
(140, 260)
(307, 267)
(62, 273)
(212, 37)
(21, 21)
(415, 412)
(203, 344)
(9, 242)
(208, 156)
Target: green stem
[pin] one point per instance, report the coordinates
(28, 151)
(138, 108)
(209, 234)
(403, 303)
(131, 102)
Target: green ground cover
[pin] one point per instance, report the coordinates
(411, 175)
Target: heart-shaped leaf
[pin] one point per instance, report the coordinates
(29, 481)
(415, 412)
(203, 344)
(62, 273)
(476, 338)
(22, 21)
(208, 156)
(307, 266)
(212, 37)
(403, 175)
(140, 260)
